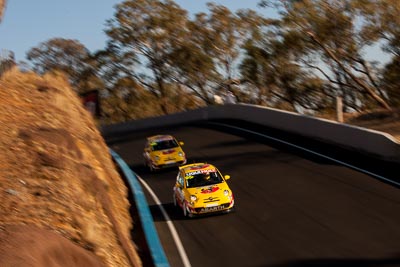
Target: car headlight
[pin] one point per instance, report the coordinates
(226, 192)
(193, 198)
(180, 154)
(156, 158)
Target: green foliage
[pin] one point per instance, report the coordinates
(159, 61)
(151, 29)
(66, 55)
(391, 81)
(332, 36)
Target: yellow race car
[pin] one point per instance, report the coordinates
(163, 151)
(201, 189)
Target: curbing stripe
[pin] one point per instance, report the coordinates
(156, 250)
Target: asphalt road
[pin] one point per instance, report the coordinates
(292, 208)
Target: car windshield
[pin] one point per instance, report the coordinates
(203, 179)
(165, 144)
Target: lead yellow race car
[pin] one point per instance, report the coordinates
(163, 151)
(201, 189)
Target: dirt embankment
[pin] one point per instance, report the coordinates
(62, 201)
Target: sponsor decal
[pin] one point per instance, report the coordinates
(211, 199)
(209, 190)
(169, 151)
(215, 208)
(199, 172)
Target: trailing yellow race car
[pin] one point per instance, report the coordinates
(201, 189)
(163, 151)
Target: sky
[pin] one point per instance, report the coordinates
(27, 23)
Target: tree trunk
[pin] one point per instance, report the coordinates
(369, 91)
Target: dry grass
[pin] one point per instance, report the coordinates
(56, 171)
(379, 120)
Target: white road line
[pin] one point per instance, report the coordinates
(312, 152)
(175, 236)
(171, 226)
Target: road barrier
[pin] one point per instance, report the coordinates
(374, 143)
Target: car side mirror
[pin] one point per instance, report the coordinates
(227, 177)
(181, 143)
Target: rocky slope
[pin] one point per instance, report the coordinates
(62, 201)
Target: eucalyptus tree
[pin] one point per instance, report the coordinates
(224, 29)
(124, 97)
(192, 64)
(329, 39)
(207, 60)
(382, 19)
(151, 29)
(391, 81)
(270, 67)
(254, 74)
(227, 34)
(254, 77)
(114, 64)
(204, 59)
(258, 69)
(66, 55)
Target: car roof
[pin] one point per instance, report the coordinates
(197, 168)
(160, 137)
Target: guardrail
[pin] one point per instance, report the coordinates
(153, 242)
(374, 143)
